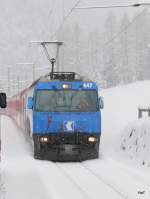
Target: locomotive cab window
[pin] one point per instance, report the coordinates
(66, 100)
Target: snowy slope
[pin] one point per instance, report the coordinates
(121, 108)
(123, 132)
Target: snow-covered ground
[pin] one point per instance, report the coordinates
(135, 142)
(113, 176)
(121, 109)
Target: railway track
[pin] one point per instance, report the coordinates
(105, 182)
(118, 178)
(84, 181)
(60, 185)
(88, 183)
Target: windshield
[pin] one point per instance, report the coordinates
(66, 100)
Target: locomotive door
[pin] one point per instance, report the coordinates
(22, 111)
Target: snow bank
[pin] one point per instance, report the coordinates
(135, 142)
(124, 136)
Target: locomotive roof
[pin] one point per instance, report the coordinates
(46, 78)
(43, 79)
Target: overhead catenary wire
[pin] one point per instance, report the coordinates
(126, 27)
(61, 25)
(75, 8)
(113, 6)
(50, 12)
(94, 7)
(66, 17)
(122, 31)
(49, 17)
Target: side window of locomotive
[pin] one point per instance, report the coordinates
(3, 102)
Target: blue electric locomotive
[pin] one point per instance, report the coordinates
(64, 117)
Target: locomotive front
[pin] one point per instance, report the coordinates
(66, 120)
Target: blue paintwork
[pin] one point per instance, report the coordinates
(87, 122)
(58, 85)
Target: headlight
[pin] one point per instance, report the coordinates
(66, 86)
(44, 139)
(91, 139)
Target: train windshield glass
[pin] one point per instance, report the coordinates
(66, 100)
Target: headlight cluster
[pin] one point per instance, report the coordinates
(91, 139)
(44, 139)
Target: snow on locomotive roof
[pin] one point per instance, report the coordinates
(46, 78)
(63, 77)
